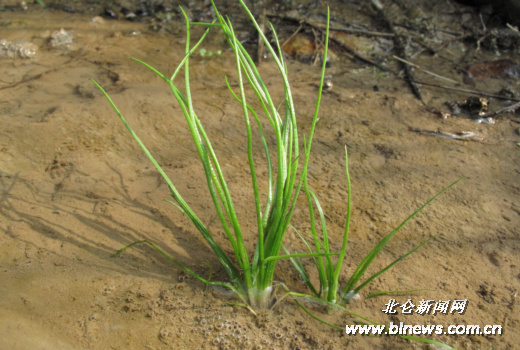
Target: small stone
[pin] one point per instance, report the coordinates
(61, 38)
(98, 20)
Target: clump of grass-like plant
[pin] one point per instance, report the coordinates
(328, 292)
(251, 273)
(329, 271)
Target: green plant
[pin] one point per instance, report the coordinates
(328, 271)
(251, 274)
(329, 293)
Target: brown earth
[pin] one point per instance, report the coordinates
(75, 188)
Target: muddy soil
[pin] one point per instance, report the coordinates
(75, 187)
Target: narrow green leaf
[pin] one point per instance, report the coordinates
(363, 266)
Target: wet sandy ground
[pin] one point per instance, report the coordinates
(75, 188)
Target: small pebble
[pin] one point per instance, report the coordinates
(98, 20)
(61, 38)
(328, 85)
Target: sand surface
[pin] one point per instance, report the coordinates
(75, 187)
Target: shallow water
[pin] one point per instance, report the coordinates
(75, 188)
